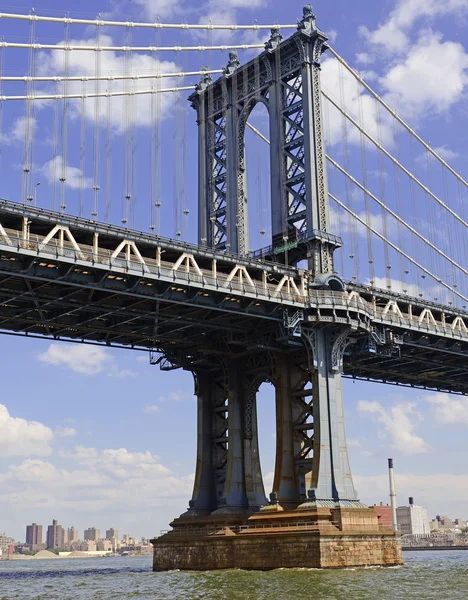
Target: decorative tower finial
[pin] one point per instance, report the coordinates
(233, 63)
(205, 81)
(275, 39)
(307, 23)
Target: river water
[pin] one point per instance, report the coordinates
(425, 576)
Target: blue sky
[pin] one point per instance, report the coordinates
(98, 437)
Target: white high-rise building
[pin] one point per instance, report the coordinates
(413, 519)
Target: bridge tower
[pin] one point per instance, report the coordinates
(312, 480)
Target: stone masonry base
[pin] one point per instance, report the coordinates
(280, 544)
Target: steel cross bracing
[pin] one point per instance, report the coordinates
(286, 79)
(71, 278)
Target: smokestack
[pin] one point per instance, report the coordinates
(391, 477)
(411, 500)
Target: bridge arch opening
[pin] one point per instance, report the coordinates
(257, 177)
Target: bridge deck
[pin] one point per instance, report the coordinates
(68, 278)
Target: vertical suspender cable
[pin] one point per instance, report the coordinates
(97, 69)
(108, 155)
(185, 199)
(451, 234)
(56, 158)
(66, 66)
(352, 224)
(28, 125)
(152, 166)
(431, 212)
(157, 166)
(401, 236)
(133, 109)
(388, 264)
(127, 140)
(370, 249)
(336, 216)
(176, 175)
(82, 147)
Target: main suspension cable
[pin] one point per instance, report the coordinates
(148, 25)
(395, 215)
(110, 77)
(393, 112)
(58, 96)
(392, 158)
(129, 48)
(392, 245)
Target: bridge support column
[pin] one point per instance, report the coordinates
(331, 481)
(243, 487)
(203, 500)
(286, 480)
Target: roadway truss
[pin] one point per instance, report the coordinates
(69, 278)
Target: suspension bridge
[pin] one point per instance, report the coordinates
(324, 239)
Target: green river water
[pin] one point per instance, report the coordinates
(425, 575)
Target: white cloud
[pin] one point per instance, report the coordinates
(115, 371)
(85, 359)
(364, 58)
(344, 89)
(151, 409)
(446, 153)
(176, 396)
(398, 421)
(65, 432)
(19, 437)
(431, 78)
(125, 111)
(95, 481)
(393, 33)
(448, 410)
(159, 8)
(52, 171)
(19, 129)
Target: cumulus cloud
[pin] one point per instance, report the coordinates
(159, 8)
(176, 396)
(398, 422)
(446, 153)
(52, 171)
(65, 432)
(19, 437)
(124, 111)
(448, 410)
(432, 77)
(84, 359)
(19, 129)
(151, 409)
(393, 33)
(94, 480)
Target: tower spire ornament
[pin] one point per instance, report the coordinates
(307, 23)
(275, 40)
(233, 63)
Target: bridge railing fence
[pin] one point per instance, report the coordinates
(263, 290)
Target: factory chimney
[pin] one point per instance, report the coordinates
(391, 477)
